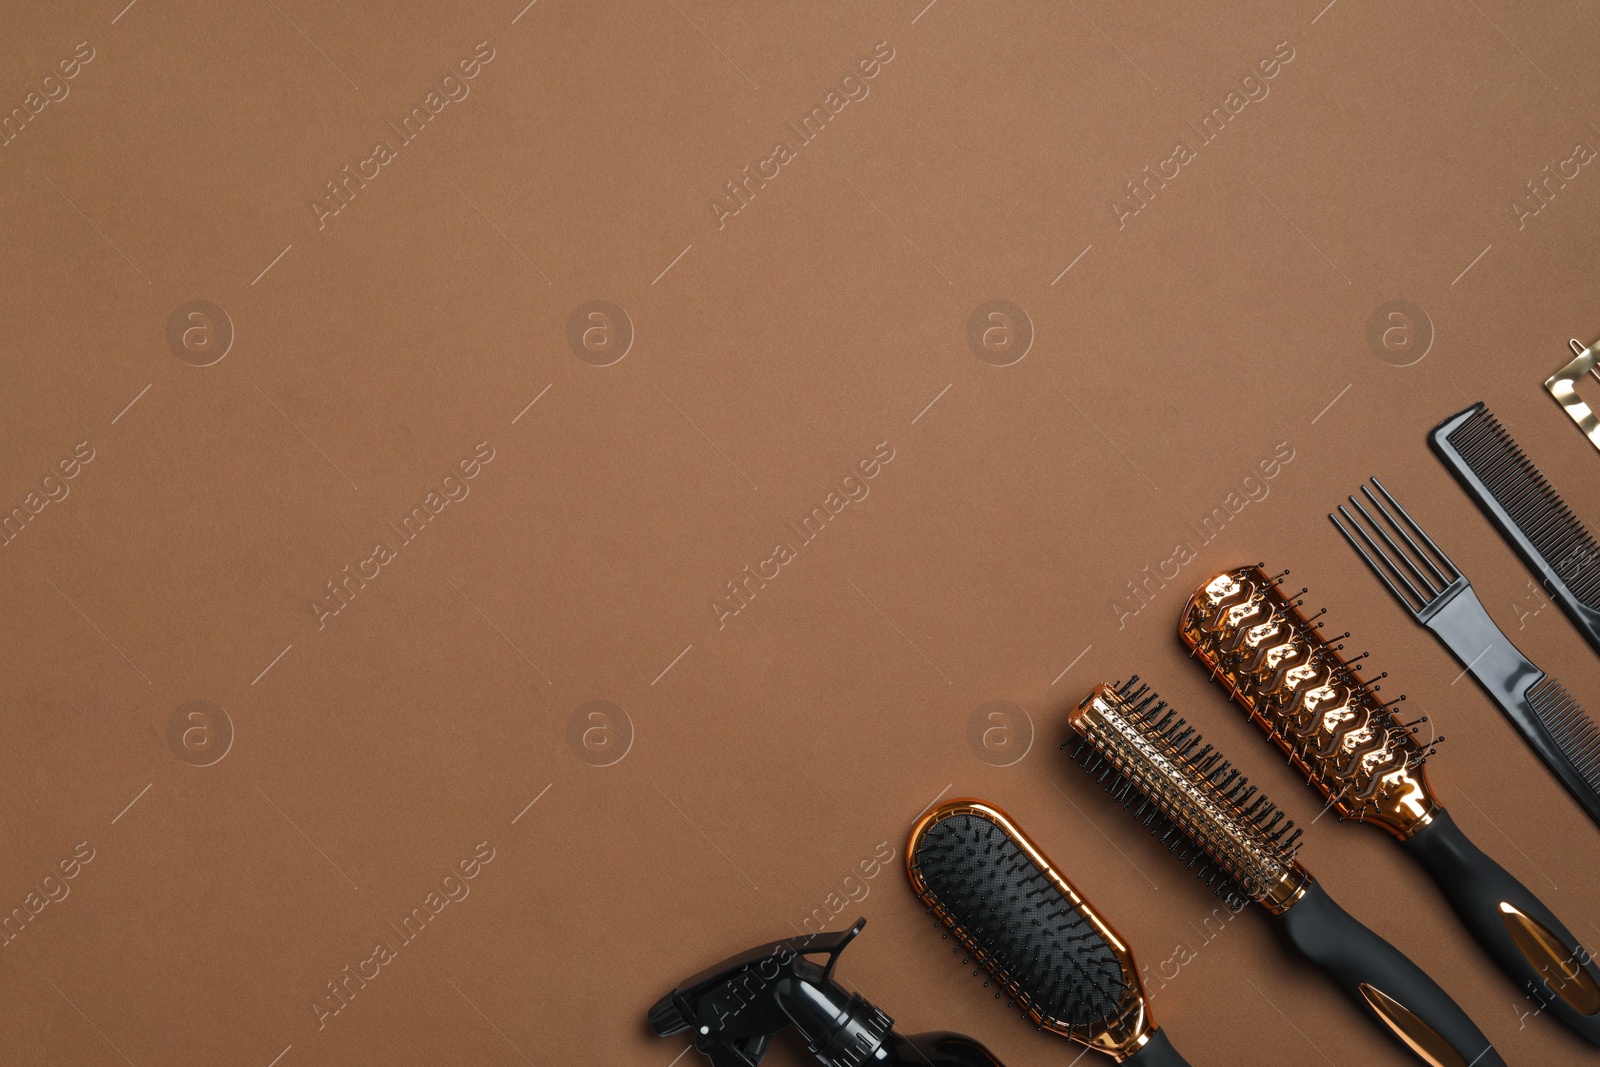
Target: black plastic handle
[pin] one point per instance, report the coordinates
(1380, 979)
(1555, 969)
(1157, 1052)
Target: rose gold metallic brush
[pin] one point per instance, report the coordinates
(1255, 642)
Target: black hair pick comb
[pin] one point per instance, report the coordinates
(1236, 840)
(1436, 594)
(1021, 921)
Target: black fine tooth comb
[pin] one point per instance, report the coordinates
(1440, 597)
(1527, 510)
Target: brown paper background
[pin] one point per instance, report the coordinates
(770, 356)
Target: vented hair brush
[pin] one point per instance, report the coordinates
(1332, 725)
(1023, 922)
(1240, 844)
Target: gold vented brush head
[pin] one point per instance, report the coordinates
(1221, 826)
(1309, 699)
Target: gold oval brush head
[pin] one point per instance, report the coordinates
(1021, 921)
(1183, 791)
(1309, 699)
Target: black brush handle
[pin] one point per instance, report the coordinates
(1157, 1052)
(1557, 970)
(1380, 979)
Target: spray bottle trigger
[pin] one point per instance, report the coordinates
(838, 946)
(734, 1052)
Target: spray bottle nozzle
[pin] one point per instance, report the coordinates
(736, 1006)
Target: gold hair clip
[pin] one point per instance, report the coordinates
(1563, 385)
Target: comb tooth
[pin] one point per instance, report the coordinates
(1508, 482)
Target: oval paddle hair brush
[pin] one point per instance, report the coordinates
(1330, 722)
(1237, 841)
(1024, 923)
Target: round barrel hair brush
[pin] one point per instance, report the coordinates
(1021, 921)
(1330, 721)
(1236, 840)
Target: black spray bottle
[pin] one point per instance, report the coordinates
(737, 1006)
